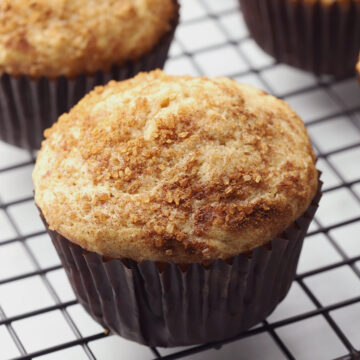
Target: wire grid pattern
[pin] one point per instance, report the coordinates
(319, 319)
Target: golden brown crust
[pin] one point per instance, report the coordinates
(70, 37)
(175, 169)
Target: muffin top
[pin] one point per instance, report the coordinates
(175, 168)
(70, 37)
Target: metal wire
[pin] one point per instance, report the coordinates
(324, 311)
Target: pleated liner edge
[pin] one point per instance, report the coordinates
(323, 39)
(176, 307)
(29, 106)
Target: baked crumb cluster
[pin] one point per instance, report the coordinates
(70, 37)
(175, 168)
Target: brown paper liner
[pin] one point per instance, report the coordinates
(320, 38)
(29, 106)
(176, 306)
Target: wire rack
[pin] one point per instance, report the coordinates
(319, 319)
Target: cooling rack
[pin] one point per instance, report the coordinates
(319, 319)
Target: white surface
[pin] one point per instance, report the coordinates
(14, 261)
(61, 285)
(11, 156)
(216, 5)
(336, 206)
(26, 217)
(7, 231)
(85, 324)
(313, 105)
(191, 10)
(349, 92)
(310, 339)
(115, 348)
(257, 57)
(285, 79)
(356, 188)
(224, 61)
(345, 162)
(255, 347)
(295, 303)
(334, 134)
(203, 33)
(349, 319)
(25, 295)
(180, 66)
(328, 176)
(75, 352)
(251, 79)
(43, 251)
(8, 348)
(347, 237)
(234, 25)
(334, 285)
(16, 184)
(45, 330)
(313, 246)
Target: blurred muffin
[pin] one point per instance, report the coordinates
(53, 52)
(320, 36)
(193, 173)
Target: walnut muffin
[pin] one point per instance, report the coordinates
(63, 39)
(320, 36)
(180, 170)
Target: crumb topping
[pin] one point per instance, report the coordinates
(71, 37)
(175, 168)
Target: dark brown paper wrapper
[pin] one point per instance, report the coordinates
(323, 39)
(177, 306)
(29, 106)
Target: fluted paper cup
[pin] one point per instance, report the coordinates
(323, 38)
(159, 304)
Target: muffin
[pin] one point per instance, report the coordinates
(321, 36)
(178, 205)
(53, 52)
